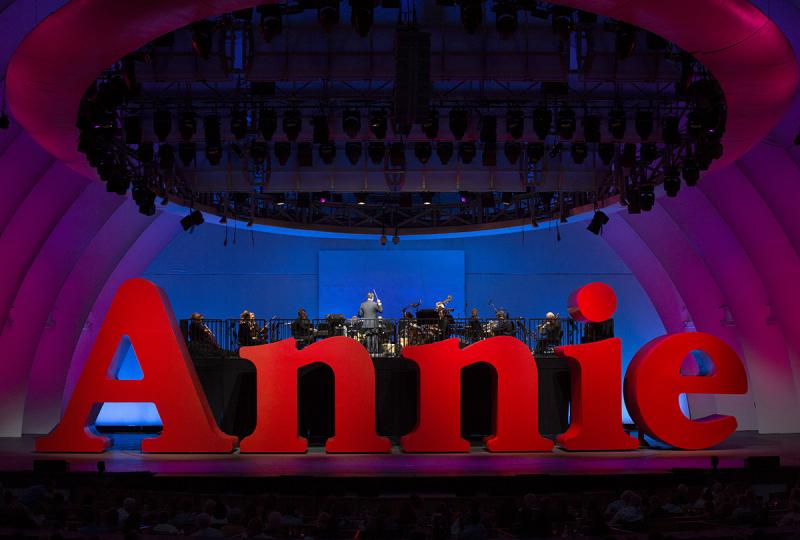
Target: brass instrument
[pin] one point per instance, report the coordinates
(444, 302)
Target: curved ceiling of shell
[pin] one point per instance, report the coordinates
(722, 258)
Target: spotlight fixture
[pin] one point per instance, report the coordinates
(279, 199)
(202, 38)
(617, 122)
(463, 197)
(643, 121)
(471, 15)
(507, 198)
(395, 238)
(267, 123)
(670, 130)
(271, 21)
(259, 151)
(283, 150)
(647, 197)
(423, 151)
(542, 119)
(565, 121)
(430, 124)
(444, 150)
(328, 14)
(162, 124)
(397, 154)
(512, 150)
(166, 157)
(515, 123)
(187, 125)
(145, 199)
(353, 151)
(634, 204)
(351, 123)
(321, 132)
(606, 152)
(506, 22)
(591, 128)
(672, 182)
(378, 123)
(459, 122)
(488, 132)
(239, 124)
(535, 152)
(327, 152)
(362, 16)
(556, 149)
(690, 171)
(187, 151)
(324, 197)
(194, 219)
(579, 152)
(598, 220)
(694, 124)
(292, 124)
(427, 198)
(382, 240)
(376, 152)
(361, 198)
(648, 152)
(466, 152)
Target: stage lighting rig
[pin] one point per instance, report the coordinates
(459, 122)
(292, 124)
(694, 124)
(542, 120)
(617, 122)
(283, 150)
(166, 157)
(512, 151)
(444, 151)
(599, 219)
(562, 22)
(187, 125)
(423, 151)
(463, 197)
(430, 124)
(515, 123)
(279, 199)
(505, 13)
(305, 154)
(267, 123)
(361, 199)
(591, 128)
(213, 138)
(672, 181)
(647, 197)
(471, 14)
(351, 123)
(187, 151)
(566, 122)
(328, 14)
(466, 152)
(271, 21)
(427, 198)
(376, 152)
(162, 124)
(535, 152)
(507, 198)
(488, 133)
(239, 124)
(378, 123)
(327, 152)
(362, 16)
(146, 152)
(579, 152)
(643, 122)
(353, 151)
(203, 38)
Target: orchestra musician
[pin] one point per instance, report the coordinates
(201, 334)
(505, 327)
(243, 334)
(474, 327)
(257, 335)
(445, 321)
(550, 333)
(302, 329)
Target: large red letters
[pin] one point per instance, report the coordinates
(517, 408)
(354, 395)
(141, 311)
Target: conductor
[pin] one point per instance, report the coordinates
(369, 310)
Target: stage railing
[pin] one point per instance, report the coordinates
(381, 337)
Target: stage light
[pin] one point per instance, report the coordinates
(271, 21)
(162, 124)
(515, 123)
(463, 197)
(376, 152)
(556, 149)
(542, 119)
(166, 157)
(647, 197)
(267, 123)
(471, 15)
(305, 154)
(691, 172)
(488, 132)
(194, 219)
(378, 123)
(606, 152)
(427, 198)
(625, 41)
(672, 182)
(466, 152)
(320, 129)
(324, 197)
(362, 16)
(505, 14)
(459, 122)
(187, 152)
(361, 199)
(395, 238)
(328, 14)
(382, 240)
(187, 125)
(598, 220)
(279, 199)
(566, 123)
(202, 38)
(444, 151)
(430, 124)
(507, 198)
(670, 130)
(512, 150)
(535, 152)
(397, 154)
(133, 130)
(489, 156)
(423, 151)
(617, 122)
(146, 201)
(351, 123)
(591, 128)
(292, 124)
(628, 156)
(5, 123)
(648, 152)
(353, 151)
(239, 124)
(283, 150)
(327, 152)
(145, 153)
(643, 122)
(579, 152)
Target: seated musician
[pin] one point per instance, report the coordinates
(302, 330)
(445, 322)
(257, 335)
(505, 326)
(243, 334)
(550, 333)
(200, 334)
(474, 327)
(407, 330)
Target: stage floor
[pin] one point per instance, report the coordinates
(18, 455)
